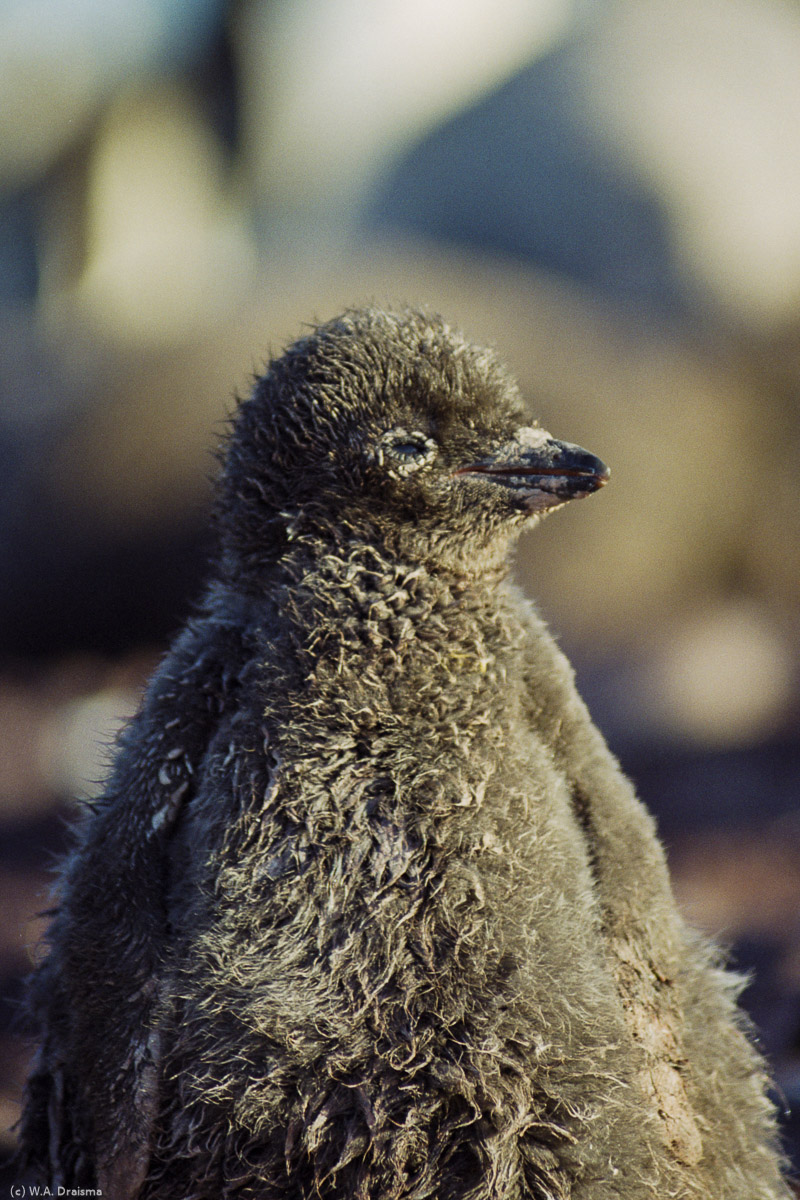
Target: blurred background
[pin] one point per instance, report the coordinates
(608, 191)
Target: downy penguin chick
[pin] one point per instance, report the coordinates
(368, 909)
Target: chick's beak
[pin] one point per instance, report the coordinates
(541, 471)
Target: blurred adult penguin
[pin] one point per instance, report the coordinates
(368, 909)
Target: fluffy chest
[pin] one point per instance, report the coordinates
(383, 834)
(397, 770)
(401, 664)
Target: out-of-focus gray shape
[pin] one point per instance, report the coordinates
(701, 98)
(333, 89)
(60, 62)
(517, 172)
(168, 247)
(60, 59)
(19, 269)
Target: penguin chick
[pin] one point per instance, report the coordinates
(368, 909)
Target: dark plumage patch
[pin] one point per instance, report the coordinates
(368, 909)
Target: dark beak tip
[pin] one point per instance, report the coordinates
(585, 470)
(593, 480)
(560, 470)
